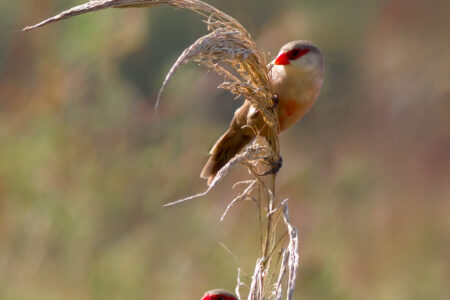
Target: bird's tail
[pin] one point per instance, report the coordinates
(229, 144)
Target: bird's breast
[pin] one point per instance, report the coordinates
(291, 111)
(296, 93)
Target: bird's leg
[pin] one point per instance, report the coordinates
(275, 166)
(274, 102)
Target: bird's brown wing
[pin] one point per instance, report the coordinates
(245, 125)
(229, 144)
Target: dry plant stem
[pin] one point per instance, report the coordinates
(278, 287)
(229, 50)
(270, 233)
(270, 199)
(241, 197)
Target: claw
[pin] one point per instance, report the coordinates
(276, 166)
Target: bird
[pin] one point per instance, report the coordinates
(296, 78)
(219, 294)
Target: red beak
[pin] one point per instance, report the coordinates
(282, 59)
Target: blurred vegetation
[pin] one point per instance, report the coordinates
(86, 163)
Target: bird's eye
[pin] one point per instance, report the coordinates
(296, 53)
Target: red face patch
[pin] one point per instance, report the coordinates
(285, 57)
(282, 59)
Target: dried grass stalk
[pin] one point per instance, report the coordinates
(293, 257)
(278, 293)
(230, 51)
(229, 47)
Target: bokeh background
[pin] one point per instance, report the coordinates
(86, 164)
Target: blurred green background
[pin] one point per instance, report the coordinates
(86, 164)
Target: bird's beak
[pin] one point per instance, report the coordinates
(282, 59)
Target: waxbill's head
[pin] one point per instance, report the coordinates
(296, 77)
(219, 294)
(301, 56)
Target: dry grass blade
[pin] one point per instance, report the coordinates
(239, 283)
(256, 288)
(293, 257)
(253, 153)
(278, 293)
(214, 50)
(198, 6)
(245, 194)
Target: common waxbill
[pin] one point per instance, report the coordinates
(296, 77)
(219, 295)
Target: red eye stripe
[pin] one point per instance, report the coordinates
(296, 53)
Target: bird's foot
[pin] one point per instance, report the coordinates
(275, 166)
